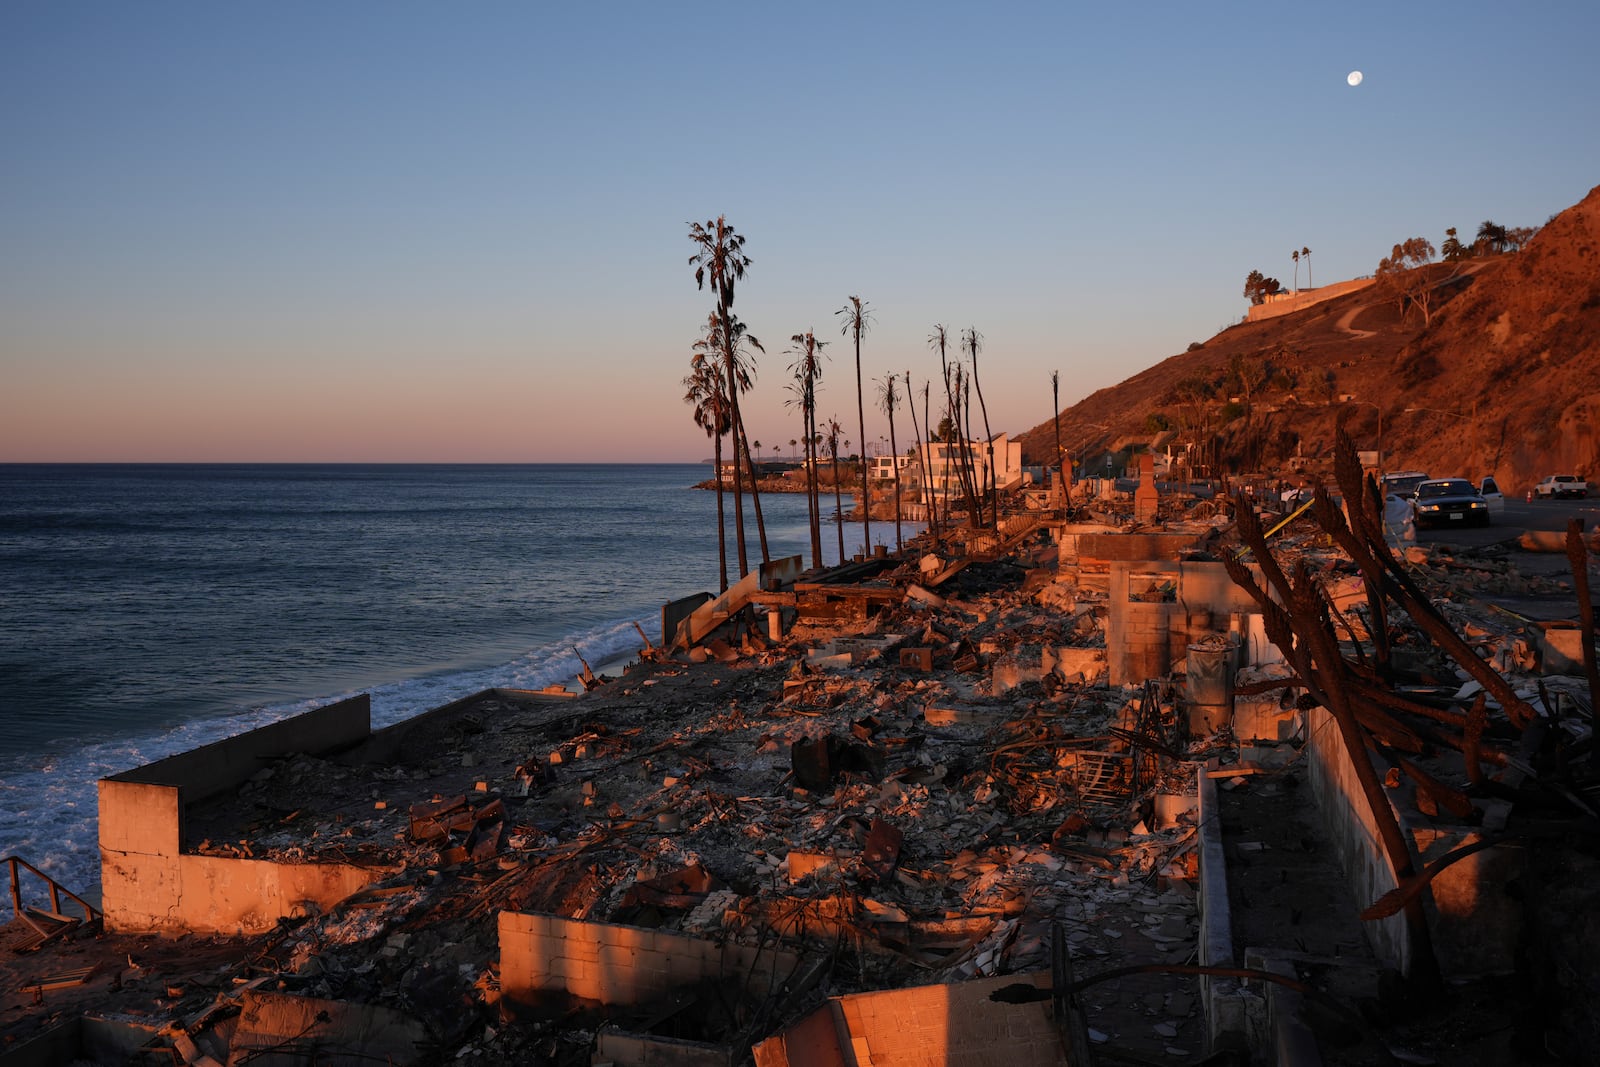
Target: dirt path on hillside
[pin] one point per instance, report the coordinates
(1350, 316)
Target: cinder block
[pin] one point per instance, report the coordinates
(569, 969)
(916, 659)
(632, 937)
(579, 949)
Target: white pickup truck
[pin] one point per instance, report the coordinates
(1560, 485)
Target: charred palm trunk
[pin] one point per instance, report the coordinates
(861, 423)
(722, 528)
(1055, 406)
(838, 502)
(894, 456)
(927, 458)
(813, 486)
(755, 493)
(973, 344)
(733, 411)
(960, 423)
(922, 457)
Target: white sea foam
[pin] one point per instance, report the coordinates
(49, 812)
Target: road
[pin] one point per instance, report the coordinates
(1519, 516)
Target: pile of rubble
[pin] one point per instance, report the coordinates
(933, 786)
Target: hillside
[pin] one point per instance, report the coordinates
(1504, 380)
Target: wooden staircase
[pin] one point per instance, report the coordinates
(44, 924)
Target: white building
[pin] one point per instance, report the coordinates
(935, 471)
(885, 470)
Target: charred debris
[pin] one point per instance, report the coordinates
(951, 770)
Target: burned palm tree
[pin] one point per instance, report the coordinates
(720, 260)
(706, 388)
(888, 400)
(703, 388)
(1055, 406)
(922, 456)
(807, 371)
(956, 433)
(833, 431)
(939, 341)
(856, 316)
(972, 341)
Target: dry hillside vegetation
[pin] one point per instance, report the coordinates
(1508, 371)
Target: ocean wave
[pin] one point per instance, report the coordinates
(49, 807)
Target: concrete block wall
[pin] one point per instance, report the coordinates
(812, 1042)
(148, 884)
(1304, 298)
(1224, 1003)
(225, 895)
(954, 1025)
(1346, 817)
(1145, 639)
(1474, 923)
(388, 745)
(215, 768)
(619, 965)
(622, 1049)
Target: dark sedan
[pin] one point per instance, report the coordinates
(1450, 502)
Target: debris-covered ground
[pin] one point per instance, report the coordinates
(911, 797)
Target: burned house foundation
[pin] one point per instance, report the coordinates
(1052, 797)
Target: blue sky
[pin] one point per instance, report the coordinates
(429, 232)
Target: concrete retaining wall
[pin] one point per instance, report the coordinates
(1305, 298)
(622, 1049)
(1475, 925)
(955, 1025)
(148, 884)
(386, 745)
(544, 955)
(215, 768)
(1222, 1000)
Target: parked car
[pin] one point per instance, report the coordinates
(1449, 502)
(1490, 491)
(1561, 485)
(1403, 483)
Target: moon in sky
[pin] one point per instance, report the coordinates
(1354, 78)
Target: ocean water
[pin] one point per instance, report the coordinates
(145, 610)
